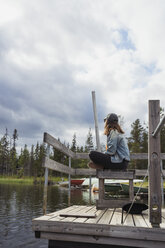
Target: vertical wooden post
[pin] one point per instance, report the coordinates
(96, 122)
(162, 180)
(69, 184)
(101, 189)
(90, 189)
(46, 183)
(154, 165)
(131, 190)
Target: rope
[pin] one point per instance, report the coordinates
(136, 195)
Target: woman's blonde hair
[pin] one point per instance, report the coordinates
(112, 126)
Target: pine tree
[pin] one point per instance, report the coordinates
(23, 162)
(13, 153)
(31, 166)
(5, 154)
(36, 160)
(89, 142)
(74, 143)
(137, 143)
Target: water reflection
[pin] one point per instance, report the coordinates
(19, 204)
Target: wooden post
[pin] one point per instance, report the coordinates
(69, 184)
(96, 122)
(154, 165)
(101, 189)
(90, 189)
(131, 190)
(162, 180)
(46, 182)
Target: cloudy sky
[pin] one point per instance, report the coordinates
(54, 53)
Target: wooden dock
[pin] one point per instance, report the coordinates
(89, 226)
(81, 226)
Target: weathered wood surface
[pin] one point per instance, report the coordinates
(78, 215)
(131, 190)
(58, 145)
(51, 164)
(159, 127)
(106, 228)
(46, 182)
(109, 174)
(154, 164)
(111, 203)
(87, 172)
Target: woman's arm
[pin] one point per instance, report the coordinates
(112, 140)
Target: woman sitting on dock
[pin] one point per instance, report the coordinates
(116, 156)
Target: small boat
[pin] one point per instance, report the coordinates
(77, 182)
(118, 187)
(109, 187)
(126, 189)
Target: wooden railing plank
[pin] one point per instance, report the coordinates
(58, 145)
(109, 174)
(51, 164)
(85, 172)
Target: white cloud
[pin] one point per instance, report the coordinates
(54, 53)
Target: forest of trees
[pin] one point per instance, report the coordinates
(29, 161)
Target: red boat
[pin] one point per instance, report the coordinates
(76, 182)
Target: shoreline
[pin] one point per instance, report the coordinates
(28, 180)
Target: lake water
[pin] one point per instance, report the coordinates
(19, 204)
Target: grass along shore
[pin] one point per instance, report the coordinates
(28, 180)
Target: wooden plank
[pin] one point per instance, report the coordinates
(76, 210)
(56, 216)
(163, 213)
(101, 189)
(106, 217)
(57, 144)
(87, 240)
(110, 203)
(91, 210)
(138, 156)
(85, 172)
(146, 218)
(140, 172)
(159, 126)
(109, 174)
(120, 231)
(139, 220)
(143, 156)
(51, 164)
(81, 155)
(116, 218)
(99, 214)
(128, 220)
(131, 190)
(78, 215)
(162, 225)
(143, 172)
(154, 165)
(80, 210)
